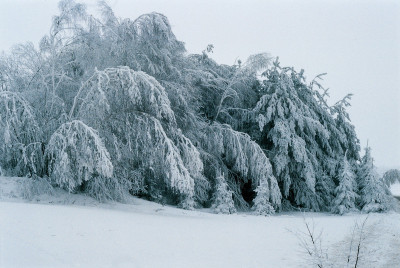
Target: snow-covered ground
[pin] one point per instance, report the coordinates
(75, 231)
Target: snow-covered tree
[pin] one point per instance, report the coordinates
(347, 134)
(224, 93)
(292, 134)
(345, 193)
(301, 136)
(244, 158)
(75, 155)
(192, 160)
(391, 176)
(374, 194)
(144, 44)
(325, 189)
(20, 146)
(171, 123)
(222, 199)
(262, 206)
(239, 84)
(132, 111)
(342, 138)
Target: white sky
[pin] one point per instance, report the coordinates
(356, 42)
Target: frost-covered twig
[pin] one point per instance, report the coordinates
(312, 244)
(361, 239)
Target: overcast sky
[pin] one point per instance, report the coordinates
(356, 42)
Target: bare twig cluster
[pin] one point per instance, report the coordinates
(312, 245)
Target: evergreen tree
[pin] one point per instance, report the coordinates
(302, 136)
(347, 136)
(262, 206)
(374, 195)
(291, 132)
(345, 193)
(325, 189)
(222, 200)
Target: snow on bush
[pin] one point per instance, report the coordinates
(76, 154)
(262, 206)
(222, 200)
(35, 186)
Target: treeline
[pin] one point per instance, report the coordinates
(111, 107)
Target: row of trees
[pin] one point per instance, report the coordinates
(365, 190)
(112, 106)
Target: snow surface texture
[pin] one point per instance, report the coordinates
(70, 230)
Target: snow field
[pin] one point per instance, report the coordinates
(146, 234)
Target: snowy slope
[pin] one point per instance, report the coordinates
(63, 232)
